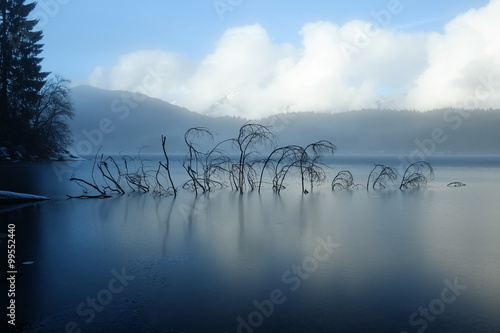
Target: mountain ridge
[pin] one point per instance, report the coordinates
(122, 121)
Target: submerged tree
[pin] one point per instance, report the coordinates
(110, 176)
(88, 185)
(380, 176)
(166, 166)
(344, 180)
(417, 175)
(310, 166)
(136, 177)
(204, 168)
(193, 163)
(279, 163)
(250, 135)
(216, 168)
(307, 162)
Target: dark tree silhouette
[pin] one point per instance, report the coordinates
(33, 111)
(417, 175)
(380, 176)
(109, 176)
(50, 133)
(194, 161)
(204, 167)
(136, 179)
(310, 166)
(306, 161)
(344, 180)
(217, 166)
(250, 135)
(279, 163)
(166, 166)
(85, 185)
(291, 163)
(115, 176)
(21, 76)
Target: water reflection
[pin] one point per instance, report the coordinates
(201, 261)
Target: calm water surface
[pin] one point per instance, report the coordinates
(345, 261)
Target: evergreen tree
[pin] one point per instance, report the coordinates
(22, 83)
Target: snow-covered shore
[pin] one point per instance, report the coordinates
(19, 154)
(7, 197)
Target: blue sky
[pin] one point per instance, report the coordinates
(84, 34)
(81, 36)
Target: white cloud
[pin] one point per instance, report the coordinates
(461, 59)
(336, 68)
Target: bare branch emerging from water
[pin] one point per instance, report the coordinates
(380, 176)
(250, 135)
(417, 175)
(278, 164)
(344, 180)
(167, 165)
(311, 167)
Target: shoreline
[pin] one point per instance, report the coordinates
(9, 198)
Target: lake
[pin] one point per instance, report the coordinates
(329, 261)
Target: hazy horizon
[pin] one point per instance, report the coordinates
(132, 122)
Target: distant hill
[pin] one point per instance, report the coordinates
(122, 121)
(132, 121)
(389, 131)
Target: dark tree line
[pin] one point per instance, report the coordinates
(34, 109)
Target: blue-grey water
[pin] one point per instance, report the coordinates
(343, 261)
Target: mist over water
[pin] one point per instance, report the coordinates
(159, 222)
(346, 261)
